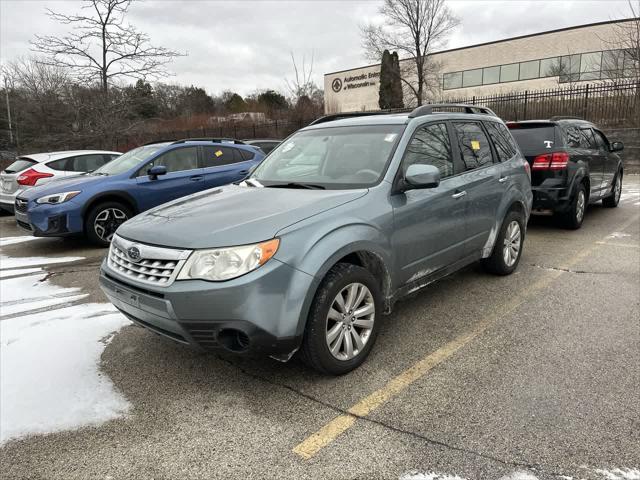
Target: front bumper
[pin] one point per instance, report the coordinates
(266, 307)
(50, 220)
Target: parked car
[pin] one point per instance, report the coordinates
(264, 144)
(336, 224)
(39, 168)
(573, 164)
(95, 204)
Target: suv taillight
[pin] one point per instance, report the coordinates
(551, 161)
(31, 176)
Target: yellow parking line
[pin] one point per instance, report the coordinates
(336, 427)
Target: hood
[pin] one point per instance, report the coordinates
(231, 215)
(63, 184)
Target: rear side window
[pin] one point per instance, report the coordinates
(475, 151)
(217, 156)
(60, 165)
(534, 139)
(576, 138)
(430, 146)
(20, 164)
(246, 154)
(587, 133)
(87, 163)
(501, 140)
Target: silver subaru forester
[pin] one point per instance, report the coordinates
(317, 243)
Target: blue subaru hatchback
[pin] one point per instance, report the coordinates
(95, 204)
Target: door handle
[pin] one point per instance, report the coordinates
(196, 178)
(503, 179)
(243, 172)
(459, 194)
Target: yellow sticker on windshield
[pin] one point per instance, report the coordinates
(219, 153)
(475, 145)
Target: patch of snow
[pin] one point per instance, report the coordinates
(15, 262)
(519, 475)
(11, 240)
(620, 474)
(618, 235)
(49, 375)
(19, 271)
(19, 289)
(414, 475)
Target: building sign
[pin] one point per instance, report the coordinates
(355, 81)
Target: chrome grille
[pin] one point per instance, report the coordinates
(145, 263)
(21, 205)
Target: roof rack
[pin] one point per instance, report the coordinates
(428, 109)
(338, 116)
(159, 141)
(564, 117)
(212, 140)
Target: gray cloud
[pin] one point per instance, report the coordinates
(246, 45)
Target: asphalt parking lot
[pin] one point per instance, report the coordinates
(531, 376)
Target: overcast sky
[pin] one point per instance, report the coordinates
(245, 45)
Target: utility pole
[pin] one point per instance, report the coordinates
(6, 94)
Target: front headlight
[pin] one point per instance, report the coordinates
(57, 198)
(229, 262)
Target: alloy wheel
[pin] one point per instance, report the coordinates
(618, 189)
(107, 222)
(580, 206)
(350, 321)
(512, 243)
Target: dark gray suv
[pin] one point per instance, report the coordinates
(343, 218)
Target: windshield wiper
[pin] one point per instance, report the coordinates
(310, 186)
(98, 174)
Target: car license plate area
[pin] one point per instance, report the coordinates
(126, 296)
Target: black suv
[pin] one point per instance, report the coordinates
(572, 165)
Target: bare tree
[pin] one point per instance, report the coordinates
(102, 47)
(623, 61)
(415, 28)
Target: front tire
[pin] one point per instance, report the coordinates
(612, 200)
(103, 220)
(343, 321)
(508, 247)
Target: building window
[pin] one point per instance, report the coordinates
(550, 67)
(590, 66)
(529, 70)
(490, 75)
(608, 64)
(452, 80)
(472, 78)
(509, 73)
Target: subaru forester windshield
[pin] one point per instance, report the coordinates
(331, 158)
(129, 160)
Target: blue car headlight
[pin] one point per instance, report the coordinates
(56, 198)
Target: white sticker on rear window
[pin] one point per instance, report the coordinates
(548, 143)
(390, 137)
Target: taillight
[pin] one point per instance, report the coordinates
(31, 176)
(551, 161)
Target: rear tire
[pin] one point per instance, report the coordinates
(574, 217)
(616, 190)
(103, 220)
(337, 338)
(507, 250)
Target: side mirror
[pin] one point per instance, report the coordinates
(617, 147)
(153, 172)
(421, 176)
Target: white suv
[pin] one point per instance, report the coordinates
(39, 168)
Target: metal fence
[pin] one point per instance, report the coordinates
(611, 104)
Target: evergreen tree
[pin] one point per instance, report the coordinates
(396, 83)
(386, 81)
